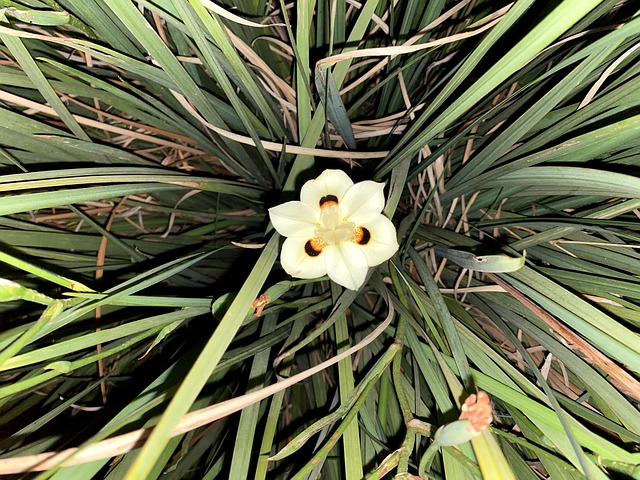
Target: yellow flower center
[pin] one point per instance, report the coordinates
(333, 228)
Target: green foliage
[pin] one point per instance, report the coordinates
(147, 328)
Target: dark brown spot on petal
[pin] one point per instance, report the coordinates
(314, 247)
(328, 199)
(361, 235)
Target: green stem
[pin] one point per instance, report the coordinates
(410, 438)
(427, 459)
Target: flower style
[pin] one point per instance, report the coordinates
(337, 228)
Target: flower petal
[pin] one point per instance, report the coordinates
(346, 264)
(363, 202)
(329, 182)
(294, 219)
(297, 263)
(382, 243)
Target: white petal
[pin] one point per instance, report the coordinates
(346, 264)
(383, 242)
(329, 182)
(294, 219)
(363, 202)
(297, 263)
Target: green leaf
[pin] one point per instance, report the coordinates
(206, 362)
(336, 112)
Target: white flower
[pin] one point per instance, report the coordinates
(337, 229)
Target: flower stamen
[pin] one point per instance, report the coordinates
(361, 236)
(314, 247)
